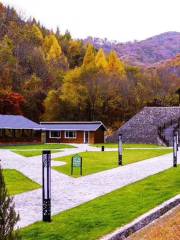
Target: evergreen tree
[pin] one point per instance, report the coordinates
(58, 31)
(8, 216)
(67, 35)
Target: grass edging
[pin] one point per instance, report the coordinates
(143, 220)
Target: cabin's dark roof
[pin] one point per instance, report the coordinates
(73, 126)
(17, 122)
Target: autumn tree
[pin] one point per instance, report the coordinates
(89, 58)
(37, 35)
(8, 63)
(75, 53)
(73, 89)
(33, 84)
(115, 65)
(52, 105)
(11, 102)
(100, 59)
(54, 54)
(52, 48)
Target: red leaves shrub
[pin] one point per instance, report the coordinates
(11, 102)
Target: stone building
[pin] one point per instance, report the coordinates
(151, 125)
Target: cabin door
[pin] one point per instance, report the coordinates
(86, 137)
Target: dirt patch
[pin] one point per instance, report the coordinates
(165, 228)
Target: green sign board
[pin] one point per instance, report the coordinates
(76, 163)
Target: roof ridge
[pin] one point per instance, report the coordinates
(12, 115)
(63, 122)
(162, 107)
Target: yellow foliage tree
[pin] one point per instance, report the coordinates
(37, 32)
(52, 106)
(100, 59)
(73, 89)
(52, 48)
(89, 57)
(115, 65)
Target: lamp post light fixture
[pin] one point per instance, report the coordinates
(120, 149)
(46, 183)
(175, 149)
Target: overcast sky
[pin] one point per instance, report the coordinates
(122, 20)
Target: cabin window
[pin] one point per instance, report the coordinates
(54, 134)
(70, 134)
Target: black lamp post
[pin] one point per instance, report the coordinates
(46, 190)
(120, 149)
(177, 134)
(175, 149)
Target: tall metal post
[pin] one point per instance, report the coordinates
(46, 183)
(120, 149)
(177, 134)
(175, 149)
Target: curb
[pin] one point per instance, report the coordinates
(140, 222)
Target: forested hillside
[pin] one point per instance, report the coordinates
(50, 76)
(147, 52)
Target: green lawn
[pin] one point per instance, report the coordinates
(32, 153)
(17, 183)
(103, 215)
(35, 150)
(99, 161)
(126, 145)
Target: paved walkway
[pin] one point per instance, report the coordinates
(68, 192)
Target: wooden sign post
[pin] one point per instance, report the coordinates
(76, 162)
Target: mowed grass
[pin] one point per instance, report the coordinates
(126, 145)
(32, 152)
(17, 183)
(94, 162)
(103, 215)
(35, 150)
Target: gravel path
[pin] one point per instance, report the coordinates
(68, 192)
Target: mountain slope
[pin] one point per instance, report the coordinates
(168, 69)
(146, 52)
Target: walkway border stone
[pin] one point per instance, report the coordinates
(142, 221)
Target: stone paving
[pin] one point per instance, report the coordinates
(68, 192)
